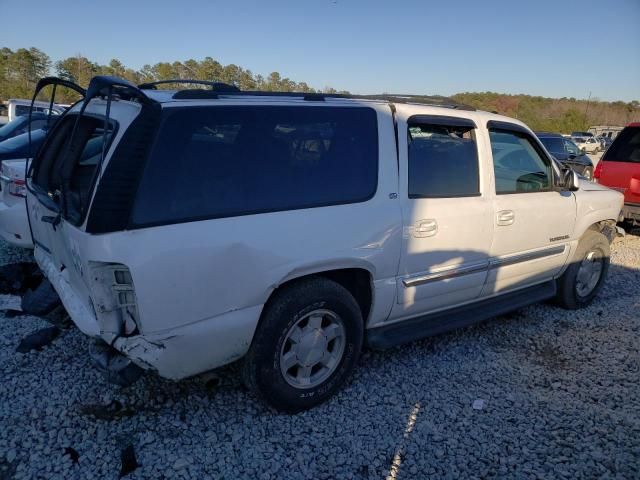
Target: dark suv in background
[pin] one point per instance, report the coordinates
(567, 152)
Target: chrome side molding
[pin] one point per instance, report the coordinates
(458, 271)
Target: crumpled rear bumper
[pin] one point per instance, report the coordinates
(174, 353)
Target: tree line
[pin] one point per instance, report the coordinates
(563, 115)
(21, 69)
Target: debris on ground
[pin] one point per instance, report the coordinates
(128, 462)
(17, 278)
(38, 339)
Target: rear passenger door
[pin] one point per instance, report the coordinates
(447, 228)
(532, 221)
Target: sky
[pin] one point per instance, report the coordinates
(559, 48)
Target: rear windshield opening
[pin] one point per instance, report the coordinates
(67, 168)
(626, 147)
(227, 161)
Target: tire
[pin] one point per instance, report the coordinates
(576, 288)
(588, 173)
(290, 315)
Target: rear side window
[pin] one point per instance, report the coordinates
(626, 147)
(227, 161)
(443, 161)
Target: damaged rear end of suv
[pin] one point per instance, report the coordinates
(79, 187)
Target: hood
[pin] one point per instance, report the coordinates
(588, 186)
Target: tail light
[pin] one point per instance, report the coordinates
(598, 171)
(17, 188)
(114, 298)
(125, 297)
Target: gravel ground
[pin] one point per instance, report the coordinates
(540, 393)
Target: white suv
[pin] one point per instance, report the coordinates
(191, 228)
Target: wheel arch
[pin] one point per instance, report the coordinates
(356, 276)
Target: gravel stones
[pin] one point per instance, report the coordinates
(561, 395)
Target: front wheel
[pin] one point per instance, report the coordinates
(306, 346)
(584, 277)
(588, 173)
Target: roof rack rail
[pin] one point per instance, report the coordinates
(436, 101)
(215, 86)
(432, 100)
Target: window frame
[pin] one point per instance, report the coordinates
(443, 121)
(169, 112)
(518, 130)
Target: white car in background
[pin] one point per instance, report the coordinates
(587, 144)
(17, 107)
(14, 225)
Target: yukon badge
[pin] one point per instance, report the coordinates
(557, 239)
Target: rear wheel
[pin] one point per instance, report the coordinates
(585, 276)
(307, 344)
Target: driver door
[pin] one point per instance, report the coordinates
(533, 222)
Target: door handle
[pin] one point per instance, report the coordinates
(506, 217)
(425, 228)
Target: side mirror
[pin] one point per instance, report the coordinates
(571, 180)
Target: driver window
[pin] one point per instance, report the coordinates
(518, 167)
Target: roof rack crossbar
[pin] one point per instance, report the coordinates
(216, 86)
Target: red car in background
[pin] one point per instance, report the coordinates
(619, 169)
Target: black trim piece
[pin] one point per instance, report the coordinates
(116, 191)
(405, 331)
(415, 196)
(393, 109)
(498, 125)
(442, 120)
(195, 94)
